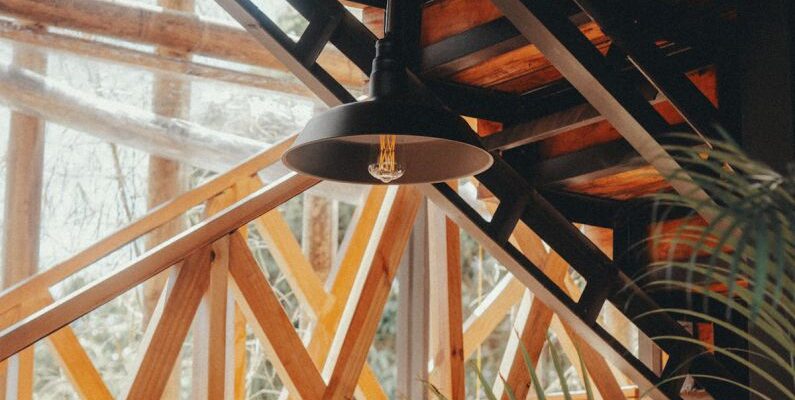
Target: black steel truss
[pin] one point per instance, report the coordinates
(519, 200)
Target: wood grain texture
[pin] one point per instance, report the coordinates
(22, 215)
(78, 367)
(175, 30)
(264, 312)
(169, 325)
(364, 307)
(25, 291)
(446, 334)
(64, 311)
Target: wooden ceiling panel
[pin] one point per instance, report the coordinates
(523, 69)
(623, 186)
(445, 18)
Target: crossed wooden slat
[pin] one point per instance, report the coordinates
(212, 252)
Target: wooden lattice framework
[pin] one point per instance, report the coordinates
(212, 259)
(215, 284)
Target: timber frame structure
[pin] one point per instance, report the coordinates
(613, 74)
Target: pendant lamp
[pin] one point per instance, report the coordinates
(392, 137)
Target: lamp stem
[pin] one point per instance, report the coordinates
(391, 23)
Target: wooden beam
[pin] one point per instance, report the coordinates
(78, 367)
(165, 180)
(286, 250)
(31, 329)
(22, 216)
(175, 30)
(210, 324)
(495, 306)
(364, 307)
(542, 287)
(271, 323)
(587, 70)
(344, 275)
(533, 329)
(412, 334)
(446, 311)
(172, 138)
(319, 233)
(365, 223)
(305, 283)
(166, 332)
(31, 288)
(165, 66)
(239, 354)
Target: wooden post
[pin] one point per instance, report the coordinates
(446, 313)
(169, 99)
(212, 322)
(412, 322)
(319, 240)
(22, 219)
(363, 309)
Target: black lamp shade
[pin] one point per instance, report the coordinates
(433, 144)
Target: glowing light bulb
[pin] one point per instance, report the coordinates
(386, 167)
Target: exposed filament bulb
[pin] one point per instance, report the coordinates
(386, 168)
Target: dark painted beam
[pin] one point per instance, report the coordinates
(585, 67)
(470, 47)
(541, 119)
(584, 209)
(586, 165)
(285, 50)
(370, 3)
(477, 102)
(652, 61)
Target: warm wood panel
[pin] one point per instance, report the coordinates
(625, 185)
(522, 69)
(442, 19)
